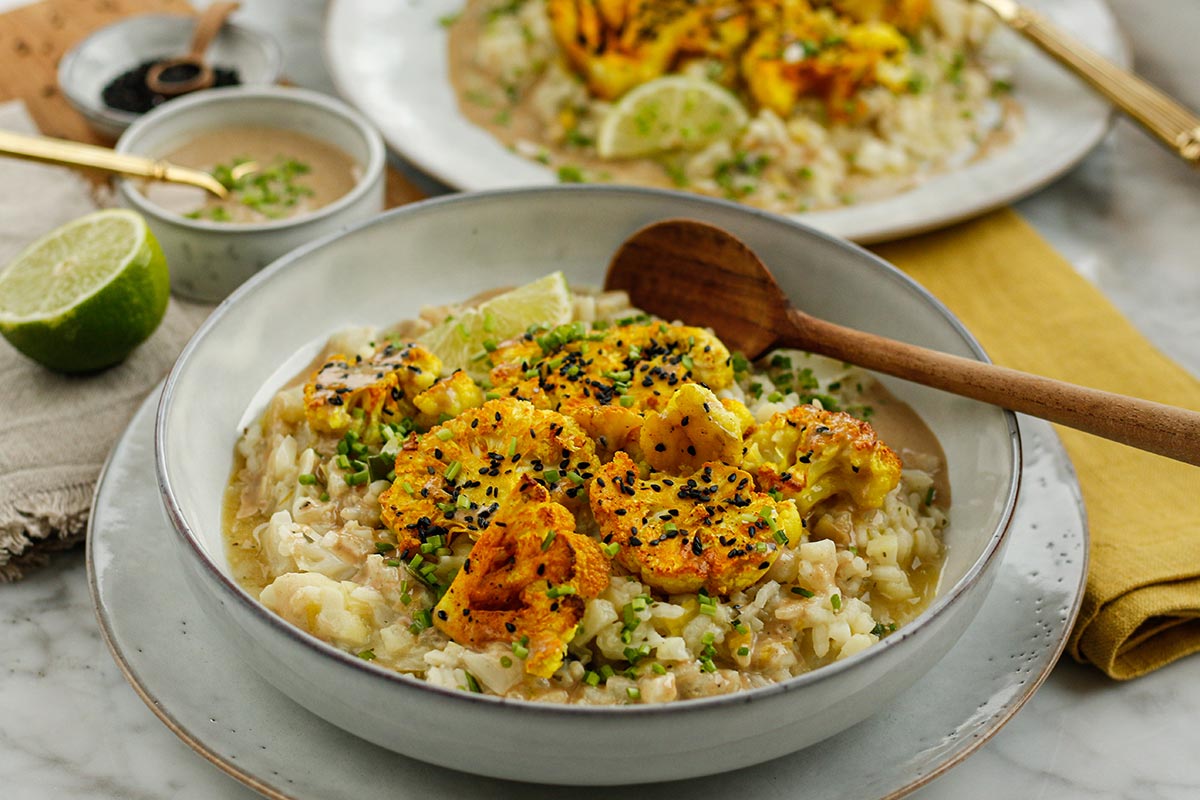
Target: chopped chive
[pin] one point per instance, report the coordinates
(445, 434)
(491, 395)
(408, 487)
(463, 501)
(743, 651)
(551, 475)
(591, 678)
(634, 693)
(343, 461)
(473, 684)
(367, 655)
(324, 497)
(512, 447)
(627, 400)
(453, 470)
(548, 540)
(520, 650)
(560, 591)
(307, 479)
(575, 478)
(687, 362)
(611, 549)
(384, 547)
(658, 669)
(836, 602)
(506, 662)
(392, 562)
(708, 611)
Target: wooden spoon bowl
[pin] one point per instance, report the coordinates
(199, 73)
(698, 273)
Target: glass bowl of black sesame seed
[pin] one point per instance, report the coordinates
(103, 76)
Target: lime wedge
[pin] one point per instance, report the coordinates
(460, 341)
(672, 113)
(83, 296)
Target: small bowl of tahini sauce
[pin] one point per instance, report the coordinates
(297, 165)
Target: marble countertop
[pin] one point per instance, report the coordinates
(1128, 219)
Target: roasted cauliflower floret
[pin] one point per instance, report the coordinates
(527, 580)
(606, 380)
(457, 477)
(618, 44)
(812, 455)
(711, 530)
(448, 397)
(797, 52)
(694, 428)
(907, 15)
(357, 394)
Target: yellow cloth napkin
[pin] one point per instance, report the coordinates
(1033, 312)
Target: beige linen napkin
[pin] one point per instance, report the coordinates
(55, 430)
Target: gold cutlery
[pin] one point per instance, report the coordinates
(75, 154)
(1175, 125)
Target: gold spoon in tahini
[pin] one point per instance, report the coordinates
(691, 271)
(76, 154)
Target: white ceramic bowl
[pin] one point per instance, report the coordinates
(447, 249)
(209, 259)
(88, 66)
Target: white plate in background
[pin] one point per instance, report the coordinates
(389, 60)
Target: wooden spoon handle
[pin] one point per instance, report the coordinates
(1166, 430)
(207, 27)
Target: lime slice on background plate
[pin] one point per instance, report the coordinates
(671, 113)
(459, 340)
(86, 294)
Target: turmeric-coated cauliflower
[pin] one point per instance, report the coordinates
(695, 427)
(358, 393)
(711, 530)
(527, 581)
(458, 476)
(812, 455)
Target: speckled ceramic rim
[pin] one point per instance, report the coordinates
(372, 169)
(118, 118)
(680, 708)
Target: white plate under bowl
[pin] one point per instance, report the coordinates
(194, 681)
(389, 60)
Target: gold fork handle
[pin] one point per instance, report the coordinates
(1175, 125)
(77, 154)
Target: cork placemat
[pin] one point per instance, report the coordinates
(34, 37)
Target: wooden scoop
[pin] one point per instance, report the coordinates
(690, 271)
(199, 72)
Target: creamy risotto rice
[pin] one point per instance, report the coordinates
(453, 544)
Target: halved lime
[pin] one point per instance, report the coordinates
(460, 341)
(677, 112)
(86, 294)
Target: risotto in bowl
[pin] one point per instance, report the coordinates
(541, 535)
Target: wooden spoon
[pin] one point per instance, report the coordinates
(688, 270)
(202, 77)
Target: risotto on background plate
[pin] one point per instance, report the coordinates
(789, 105)
(599, 508)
